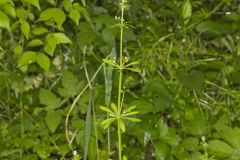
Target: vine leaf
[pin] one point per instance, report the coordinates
(4, 21)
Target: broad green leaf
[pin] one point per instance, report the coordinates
(18, 49)
(27, 58)
(186, 10)
(51, 45)
(43, 61)
(21, 13)
(34, 3)
(35, 43)
(6, 1)
(220, 149)
(48, 14)
(25, 28)
(162, 149)
(49, 99)
(59, 17)
(8, 9)
(231, 135)
(4, 21)
(53, 13)
(67, 4)
(70, 85)
(74, 15)
(53, 120)
(190, 143)
(39, 31)
(61, 38)
(193, 81)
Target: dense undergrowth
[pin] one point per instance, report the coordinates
(76, 78)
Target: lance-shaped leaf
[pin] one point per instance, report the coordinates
(114, 107)
(106, 123)
(121, 125)
(132, 119)
(132, 113)
(106, 109)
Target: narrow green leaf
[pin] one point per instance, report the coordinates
(106, 109)
(8, 9)
(133, 119)
(88, 127)
(130, 109)
(131, 64)
(53, 120)
(25, 28)
(35, 3)
(110, 62)
(106, 123)
(132, 113)
(74, 15)
(187, 10)
(220, 148)
(125, 158)
(4, 21)
(35, 43)
(134, 69)
(43, 61)
(114, 107)
(122, 126)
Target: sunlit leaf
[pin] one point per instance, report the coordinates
(43, 61)
(34, 3)
(122, 125)
(9, 9)
(35, 43)
(4, 20)
(25, 28)
(74, 15)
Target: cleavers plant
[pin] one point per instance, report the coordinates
(117, 112)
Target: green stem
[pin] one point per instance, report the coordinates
(119, 142)
(120, 84)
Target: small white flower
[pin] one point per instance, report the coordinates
(74, 153)
(228, 13)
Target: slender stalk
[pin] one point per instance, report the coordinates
(22, 127)
(120, 82)
(74, 104)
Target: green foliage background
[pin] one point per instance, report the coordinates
(187, 86)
